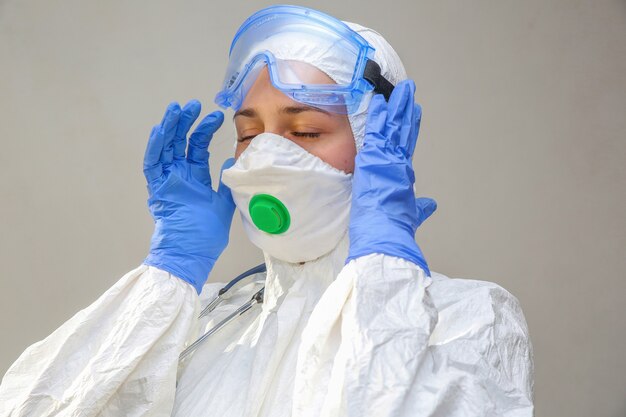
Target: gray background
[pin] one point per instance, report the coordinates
(522, 145)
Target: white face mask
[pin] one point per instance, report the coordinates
(294, 206)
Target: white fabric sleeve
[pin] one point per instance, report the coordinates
(367, 350)
(117, 357)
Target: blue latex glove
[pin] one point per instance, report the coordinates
(192, 221)
(385, 214)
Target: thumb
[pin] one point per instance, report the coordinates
(222, 189)
(425, 207)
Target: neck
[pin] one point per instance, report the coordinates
(310, 278)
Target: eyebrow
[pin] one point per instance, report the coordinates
(250, 112)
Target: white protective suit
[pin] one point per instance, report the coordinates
(375, 337)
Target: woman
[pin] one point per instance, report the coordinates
(352, 321)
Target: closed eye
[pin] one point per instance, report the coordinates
(306, 134)
(296, 134)
(245, 138)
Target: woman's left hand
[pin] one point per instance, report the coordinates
(385, 213)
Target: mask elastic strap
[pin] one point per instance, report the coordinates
(373, 74)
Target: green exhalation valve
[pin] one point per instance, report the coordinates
(269, 214)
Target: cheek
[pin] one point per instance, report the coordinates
(338, 154)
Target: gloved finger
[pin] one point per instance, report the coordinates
(425, 207)
(197, 151)
(152, 168)
(168, 129)
(188, 116)
(415, 129)
(405, 138)
(199, 140)
(407, 128)
(223, 190)
(400, 102)
(376, 120)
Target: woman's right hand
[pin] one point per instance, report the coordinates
(192, 222)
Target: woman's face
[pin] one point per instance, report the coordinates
(323, 134)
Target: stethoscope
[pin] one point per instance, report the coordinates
(224, 294)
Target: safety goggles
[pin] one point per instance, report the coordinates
(295, 43)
